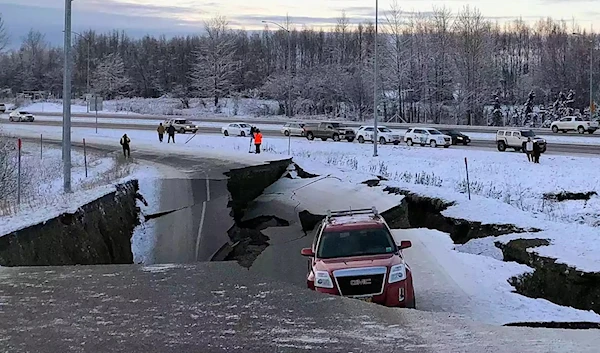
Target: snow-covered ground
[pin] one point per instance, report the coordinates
(41, 191)
(244, 107)
(475, 286)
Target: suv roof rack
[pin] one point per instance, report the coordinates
(368, 211)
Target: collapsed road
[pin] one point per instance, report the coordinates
(221, 306)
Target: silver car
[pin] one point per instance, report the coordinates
(20, 115)
(293, 129)
(182, 125)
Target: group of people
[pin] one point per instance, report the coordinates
(170, 130)
(256, 137)
(533, 151)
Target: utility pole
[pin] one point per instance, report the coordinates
(67, 101)
(290, 76)
(375, 90)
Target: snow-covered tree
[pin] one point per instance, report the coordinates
(109, 78)
(216, 65)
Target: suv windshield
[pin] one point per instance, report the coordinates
(244, 125)
(335, 125)
(181, 122)
(434, 132)
(527, 133)
(355, 243)
(384, 129)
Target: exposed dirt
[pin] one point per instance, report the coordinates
(570, 196)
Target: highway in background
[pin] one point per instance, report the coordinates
(553, 148)
(283, 120)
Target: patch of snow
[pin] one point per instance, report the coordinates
(482, 246)
(160, 268)
(473, 285)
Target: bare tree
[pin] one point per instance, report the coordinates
(472, 60)
(216, 65)
(109, 78)
(3, 35)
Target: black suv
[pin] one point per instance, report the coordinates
(457, 136)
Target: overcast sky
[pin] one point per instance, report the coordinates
(176, 17)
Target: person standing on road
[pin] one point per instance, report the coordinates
(171, 133)
(536, 152)
(125, 141)
(161, 132)
(257, 140)
(529, 149)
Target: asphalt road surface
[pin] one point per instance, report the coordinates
(553, 148)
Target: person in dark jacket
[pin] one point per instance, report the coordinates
(171, 133)
(161, 132)
(125, 141)
(537, 151)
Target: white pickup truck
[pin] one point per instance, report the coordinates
(574, 123)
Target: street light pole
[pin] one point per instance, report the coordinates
(289, 43)
(375, 90)
(67, 101)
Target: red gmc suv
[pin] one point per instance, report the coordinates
(354, 255)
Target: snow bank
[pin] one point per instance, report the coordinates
(475, 286)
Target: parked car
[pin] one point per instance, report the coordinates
(329, 130)
(427, 136)
(384, 135)
(355, 255)
(293, 129)
(516, 140)
(574, 123)
(2, 108)
(20, 115)
(236, 129)
(182, 125)
(456, 136)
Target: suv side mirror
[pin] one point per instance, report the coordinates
(405, 244)
(307, 252)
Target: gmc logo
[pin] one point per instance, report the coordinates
(360, 282)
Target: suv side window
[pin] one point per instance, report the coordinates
(516, 133)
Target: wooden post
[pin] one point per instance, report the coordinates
(85, 158)
(468, 182)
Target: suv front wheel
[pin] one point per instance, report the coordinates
(433, 144)
(501, 146)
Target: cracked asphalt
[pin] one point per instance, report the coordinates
(217, 307)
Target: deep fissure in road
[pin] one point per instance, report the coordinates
(555, 282)
(97, 233)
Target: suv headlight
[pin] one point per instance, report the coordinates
(323, 279)
(397, 273)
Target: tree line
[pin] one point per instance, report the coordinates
(442, 67)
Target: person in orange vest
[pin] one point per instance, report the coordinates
(257, 140)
